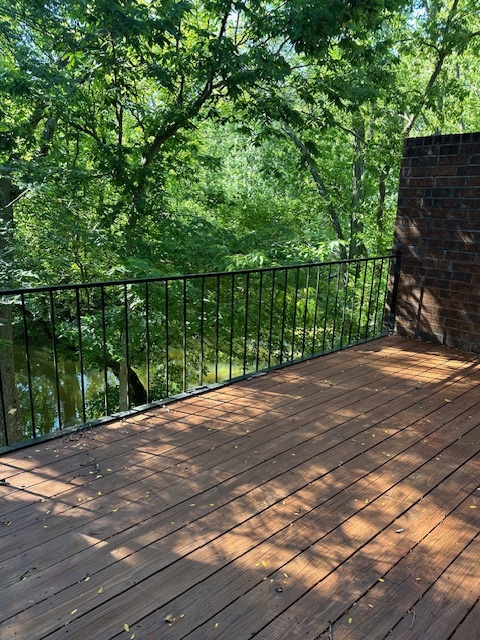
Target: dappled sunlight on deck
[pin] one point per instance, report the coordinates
(334, 498)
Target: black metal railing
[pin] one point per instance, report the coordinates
(73, 354)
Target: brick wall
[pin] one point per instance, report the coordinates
(438, 230)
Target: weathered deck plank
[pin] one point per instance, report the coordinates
(264, 509)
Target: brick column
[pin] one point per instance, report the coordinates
(438, 230)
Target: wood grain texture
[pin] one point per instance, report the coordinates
(336, 498)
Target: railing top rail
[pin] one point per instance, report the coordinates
(190, 276)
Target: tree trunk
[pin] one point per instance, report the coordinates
(138, 394)
(321, 187)
(123, 395)
(357, 247)
(71, 394)
(382, 194)
(11, 424)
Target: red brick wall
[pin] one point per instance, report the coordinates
(438, 230)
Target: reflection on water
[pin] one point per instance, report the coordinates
(46, 398)
(44, 385)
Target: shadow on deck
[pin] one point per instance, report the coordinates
(333, 499)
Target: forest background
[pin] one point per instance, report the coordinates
(152, 137)
(147, 138)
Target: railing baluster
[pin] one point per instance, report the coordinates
(372, 284)
(231, 325)
(245, 335)
(360, 313)
(354, 295)
(270, 331)
(284, 312)
(202, 313)
(259, 320)
(29, 367)
(316, 311)
(345, 298)
(307, 285)
(184, 382)
(335, 307)
(378, 297)
(217, 327)
(147, 336)
(104, 349)
(80, 352)
(385, 326)
(294, 324)
(127, 349)
(55, 359)
(167, 343)
(325, 319)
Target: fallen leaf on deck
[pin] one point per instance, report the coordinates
(100, 590)
(473, 506)
(72, 613)
(169, 618)
(216, 625)
(381, 580)
(264, 563)
(350, 621)
(447, 400)
(399, 530)
(126, 627)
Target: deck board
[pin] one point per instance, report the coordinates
(268, 508)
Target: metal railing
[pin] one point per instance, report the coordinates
(74, 354)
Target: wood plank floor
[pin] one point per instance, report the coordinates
(333, 499)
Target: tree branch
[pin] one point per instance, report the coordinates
(183, 118)
(442, 56)
(319, 183)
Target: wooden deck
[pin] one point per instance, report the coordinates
(335, 499)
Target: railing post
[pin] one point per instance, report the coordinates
(393, 299)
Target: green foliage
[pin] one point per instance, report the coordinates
(155, 138)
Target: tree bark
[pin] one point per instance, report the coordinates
(138, 394)
(382, 194)
(11, 424)
(357, 247)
